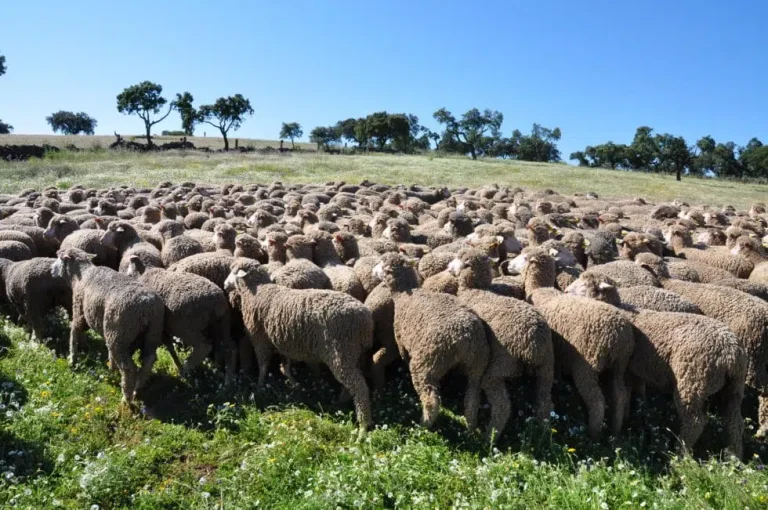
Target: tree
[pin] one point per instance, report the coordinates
(325, 136)
(642, 153)
(540, 145)
(5, 129)
(674, 154)
(581, 156)
(347, 129)
(473, 134)
(145, 100)
(70, 123)
(189, 116)
(291, 130)
(226, 113)
(3, 67)
(754, 159)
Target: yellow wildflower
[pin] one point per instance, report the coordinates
(45, 393)
(571, 450)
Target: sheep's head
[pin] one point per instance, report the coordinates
(169, 229)
(246, 273)
(677, 234)
(398, 230)
(60, 227)
(397, 271)
(632, 244)
(299, 247)
(43, 216)
(747, 246)
(117, 232)
(136, 266)
(653, 264)
(595, 286)
(151, 214)
(732, 234)
(69, 262)
(224, 236)
(473, 267)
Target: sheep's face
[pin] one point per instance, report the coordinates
(59, 228)
(234, 278)
(69, 262)
(455, 267)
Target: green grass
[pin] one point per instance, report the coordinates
(103, 168)
(65, 440)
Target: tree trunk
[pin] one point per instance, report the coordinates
(677, 177)
(293, 145)
(226, 140)
(149, 133)
(472, 152)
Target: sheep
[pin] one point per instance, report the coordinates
(307, 325)
(342, 277)
(654, 298)
(590, 338)
(434, 333)
(693, 357)
(210, 265)
(33, 291)
(680, 241)
(520, 339)
(122, 236)
(626, 273)
(178, 248)
(12, 235)
(224, 235)
(745, 315)
(125, 313)
(14, 250)
(248, 246)
(196, 311)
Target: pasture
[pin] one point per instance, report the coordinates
(66, 441)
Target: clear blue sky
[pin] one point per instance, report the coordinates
(597, 69)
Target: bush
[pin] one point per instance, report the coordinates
(173, 133)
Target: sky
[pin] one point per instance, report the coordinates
(597, 69)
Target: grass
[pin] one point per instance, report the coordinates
(103, 142)
(103, 168)
(67, 442)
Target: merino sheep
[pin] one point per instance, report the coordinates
(435, 333)
(122, 236)
(520, 339)
(124, 312)
(306, 325)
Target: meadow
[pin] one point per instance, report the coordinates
(67, 442)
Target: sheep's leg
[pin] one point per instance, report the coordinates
(692, 419)
(762, 414)
(168, 342)
(352, 379)
(201, 348)
(35, 318)
(286, 368)
(381, 359)
(620, 400)
(544, 379)
(472, 397)
(263, 351)
(426, 387)
(245, 354)
(496, 392)
(222, 335)
(587, 384)
(77, 331)
(148, 358)
(733, 423)
(128, 371)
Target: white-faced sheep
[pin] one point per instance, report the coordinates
(520, 339)
(435, 333)
(306, 325)
(124, 312)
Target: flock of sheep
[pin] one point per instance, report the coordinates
(496, 282)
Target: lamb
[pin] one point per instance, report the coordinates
(122, 236)
(15, 251)
(307, 325)
(435, 333)
(178, 248)
(745, 315)
(680, 241)
(196, 311)
(343, 278)
(520, 339)
(590, 338)
(33, 291)
(693, 357)
(124, 312)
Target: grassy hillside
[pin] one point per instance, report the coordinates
(67, 442)
(109, 168)
(90, 142)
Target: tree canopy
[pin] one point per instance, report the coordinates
(225, 114)
(145, 100)
(325, 137)
(474, 134)
(70, 123)
(291, 130)
(3, 67)
(189, 116)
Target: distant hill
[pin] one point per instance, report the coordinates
(89, 142)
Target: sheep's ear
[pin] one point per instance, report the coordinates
(91, 256)
(499, 239)
(553, 252)
(240, 273)
(604, 286)
(62, 222)
(120, 229)
(646, 240)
